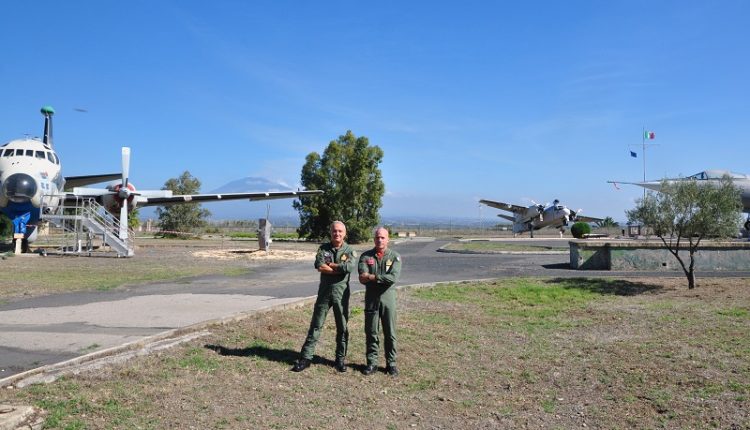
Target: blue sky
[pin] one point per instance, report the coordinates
(510, 101)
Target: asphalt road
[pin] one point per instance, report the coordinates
(46, 330)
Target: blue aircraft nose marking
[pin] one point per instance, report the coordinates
(19, 223)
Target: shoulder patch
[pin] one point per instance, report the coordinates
(398, 258)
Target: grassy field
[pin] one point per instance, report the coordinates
(154, 260)
(531, 353)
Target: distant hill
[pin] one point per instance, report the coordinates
(243, 209)
(282, 213)
(250, 184)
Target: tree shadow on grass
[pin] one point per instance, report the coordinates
(286, 356)
(617, 287)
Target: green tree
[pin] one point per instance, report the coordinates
(184, 217)
(607, 222)
(6, 226)
(133, 219)
(683, 213)
(348, 172)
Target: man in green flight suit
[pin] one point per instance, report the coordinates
(335, 261)
(379, 268)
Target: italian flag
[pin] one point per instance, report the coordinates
(649, 135)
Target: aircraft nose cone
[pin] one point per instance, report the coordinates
(19, 187)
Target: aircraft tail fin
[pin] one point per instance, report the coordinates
(47, 111)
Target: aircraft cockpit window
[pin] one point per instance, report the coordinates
(29, 152)
(57, 160)
(39, 154)
(19, 152)
(49, 157)
(8, 152)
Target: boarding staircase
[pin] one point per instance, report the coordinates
(87, 228)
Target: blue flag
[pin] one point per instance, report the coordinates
(633, 154)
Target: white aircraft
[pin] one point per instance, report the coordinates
(707, 177)
(31, 181)
(537, 216)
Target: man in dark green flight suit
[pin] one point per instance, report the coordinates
(335, 261)
(379, 268)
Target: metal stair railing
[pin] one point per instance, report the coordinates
(82, 222)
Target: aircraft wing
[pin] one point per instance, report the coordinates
(505, 206)
(508, 217)
(79, 181)
(144, 200)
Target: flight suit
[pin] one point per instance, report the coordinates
(333, 292)
(380, 303)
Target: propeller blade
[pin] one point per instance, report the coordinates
(125, 166)
(124, 220)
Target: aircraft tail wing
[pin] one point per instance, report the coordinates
(504, 206)
(623, 182)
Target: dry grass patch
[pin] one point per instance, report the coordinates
(154, 260)
(535, 353)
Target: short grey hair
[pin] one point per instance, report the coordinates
(380, 227)
(337, 222)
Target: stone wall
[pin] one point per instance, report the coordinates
(652, 255)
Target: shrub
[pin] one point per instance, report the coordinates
(579, 229)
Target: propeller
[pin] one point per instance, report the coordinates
(539, 207)
(574, 214)
(124, 192)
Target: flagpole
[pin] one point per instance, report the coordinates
(643, 142)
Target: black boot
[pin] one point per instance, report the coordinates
(301, 365)
(340, 365)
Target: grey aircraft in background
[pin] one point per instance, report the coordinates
(537, 216)
(708, 177)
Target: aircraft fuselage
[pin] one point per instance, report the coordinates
(711, 178)
(538, 217)
(29, 169)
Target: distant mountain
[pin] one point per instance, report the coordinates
(395, 211)
(242, 209)
(250, 184)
